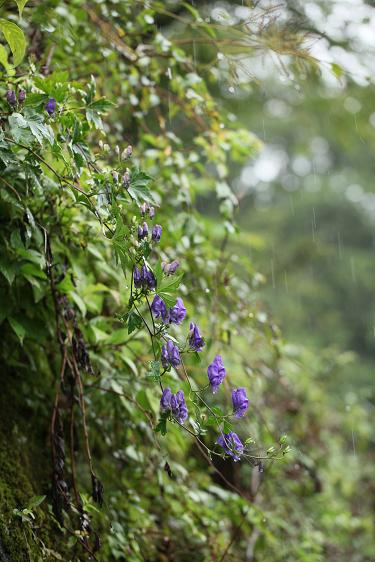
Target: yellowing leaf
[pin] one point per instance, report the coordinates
(21, 5)
(4, 61)
(15, 39)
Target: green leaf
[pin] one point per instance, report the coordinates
(337, 70)
(15, 39)
(35, 501)
(8, 270)
(19, 129)
(101, 106)
(168, 289)
(162, 426)
(228, 427)
(134, 322)
(154, 370)
(4, 61)
(138, 188)
(143, 400)
(21, 4)
(117, 337)
(39, 129)
(18, 329)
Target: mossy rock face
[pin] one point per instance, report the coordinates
(24, 471)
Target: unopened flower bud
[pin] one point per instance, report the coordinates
(127, 152)
(117, 149)
(170, 268)
(126, 179)
(151, 212)
(114, 175)
(11, 97)
(101, 144)
(143, 209)
(106, 147)
(137, 278)
(21, 96)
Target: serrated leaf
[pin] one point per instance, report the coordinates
(134, 322)
(170, 284)
(138, 188)
(162, 426)
(15, 39)
(19, 128)
(102, 105)
(154, 370)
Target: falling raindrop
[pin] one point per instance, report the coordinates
(286, 281)
(273, 274)
(339, 245)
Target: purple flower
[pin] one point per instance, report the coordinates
(144, 272)
(174, 403)
(165, 400)
(170, 355)
(11, 97)
(196, 341)
(143, 209)
(231, 444)
(170, 268)
(137, 278)
(159, 308)
(143, 231)
(156, 232)
(151, 212)
(150, 280)
(216, 373)
(179, 408)
(178, 312)
(21, 96)
(51, 106)
(240, 402)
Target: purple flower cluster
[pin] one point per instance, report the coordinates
(216, 373)
(174, 403)
(170, 355)
(155, 234)
(231, 444)
(144, 278)
(174, 315)
(146, 209)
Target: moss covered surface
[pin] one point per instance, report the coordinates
(24, 472)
